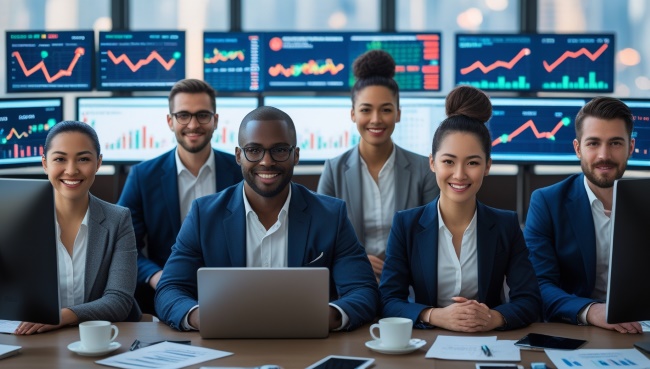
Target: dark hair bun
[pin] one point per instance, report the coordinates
(470, 102)
(374, 63)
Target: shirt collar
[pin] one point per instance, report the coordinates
(180, 167)
(388, 165)
(443, 226)
(593, 200)
(285, 208)
(84, 221)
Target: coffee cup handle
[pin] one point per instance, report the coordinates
(114, 327)
(372, 329)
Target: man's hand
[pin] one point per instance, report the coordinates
(193, 319)
(153, 281)
(335, 318)
(597, 316)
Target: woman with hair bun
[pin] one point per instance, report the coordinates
(456, 252)
(377, 177)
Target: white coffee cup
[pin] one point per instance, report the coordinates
(393, 332)
(95, 335)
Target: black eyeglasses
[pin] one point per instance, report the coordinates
(278, 153)
(184, 118)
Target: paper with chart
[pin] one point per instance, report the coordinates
(165, 355)
(470, 348)
(598, 358)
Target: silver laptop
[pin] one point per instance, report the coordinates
(263, 302)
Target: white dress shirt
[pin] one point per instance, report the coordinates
(457, 276)
(603, 226)
(378, 199)
(191, 187)
(72, 269)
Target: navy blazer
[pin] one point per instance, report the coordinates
(561, 236)
(412, 257)
(151, 193)
(320, 235)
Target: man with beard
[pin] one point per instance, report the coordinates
(268, 221)
(160, 191)
(568, 228)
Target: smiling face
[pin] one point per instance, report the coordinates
(194, 137)
(460, 165)
(603, 150)
(71, 164)
(267, 177)
(375, 113)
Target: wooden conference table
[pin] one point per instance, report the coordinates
(49, 350)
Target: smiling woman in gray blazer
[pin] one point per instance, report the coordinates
(377, 178)
(96, 251)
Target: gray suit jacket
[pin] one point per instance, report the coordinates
(415, 183)
(111, 268)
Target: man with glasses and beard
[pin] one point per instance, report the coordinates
(268, 221)
(160, 191)
(568, 228)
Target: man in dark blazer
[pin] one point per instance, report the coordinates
(568, 228)
(160, 191)
(268, 221)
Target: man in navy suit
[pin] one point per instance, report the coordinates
(268, 221)
(160, 191)
(568, 228)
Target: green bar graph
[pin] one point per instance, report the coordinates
(500, 84)
(580, 84)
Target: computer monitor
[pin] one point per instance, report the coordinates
(29, 282)
(231, 61)
(133, 129)
(533, 130)
(23, 127)
(324, 127)
(140, 60)
(641, 133)
(536, 62)
(627, 299)
(43, 61)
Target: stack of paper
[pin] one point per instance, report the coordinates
(164, 355)
(470, 348)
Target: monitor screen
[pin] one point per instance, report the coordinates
(39, 61)
(133, 129)
(628, 259)
(29, 282)
(23, 127)
(533, 130)
(231, 61)
(536, 62)
(325, 129)
(140, 60)
(641, 133)
(417, 57)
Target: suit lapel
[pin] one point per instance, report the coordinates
(234, 228)
(583, 227)
(353, 186)
(486, 245)
(299, 221)
(96, 247)
(402, 179)
(169, 185)
(426, 243)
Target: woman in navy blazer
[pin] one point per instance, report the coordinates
(376, 177)
(456, 252)
(96, 251)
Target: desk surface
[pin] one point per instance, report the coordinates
(49, 350)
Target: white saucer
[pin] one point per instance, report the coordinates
(414, 344)
(76, 347)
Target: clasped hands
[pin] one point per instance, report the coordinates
(465, 315)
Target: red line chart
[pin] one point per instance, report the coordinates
(41, 66)
(575, 54)
(497, 64)
(142, 62)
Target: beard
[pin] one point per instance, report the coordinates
(267, 191)
(200, 146)
(602, 181)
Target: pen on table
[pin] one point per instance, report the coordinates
(486, 350)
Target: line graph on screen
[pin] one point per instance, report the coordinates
(78, 53)
(497, 64)
(154, 55)
(530, 124)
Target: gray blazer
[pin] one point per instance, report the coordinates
(111, 268)
(415, 183)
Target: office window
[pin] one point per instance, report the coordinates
(455, 16)
(627, 19)
(310, 15)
